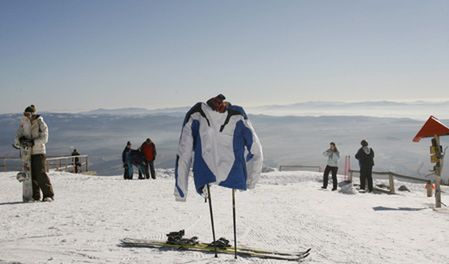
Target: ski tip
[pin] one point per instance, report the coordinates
(303, 257)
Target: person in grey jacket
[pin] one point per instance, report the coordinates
(34, 130)
(333, 155)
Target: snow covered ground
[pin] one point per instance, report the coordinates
(287, 211)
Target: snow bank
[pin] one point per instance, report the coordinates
(287, 211)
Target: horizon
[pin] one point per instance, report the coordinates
(349, 102)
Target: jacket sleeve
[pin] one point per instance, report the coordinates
(326, 153)
(183, 161)
(42, 139)
(154, 151)
(357, 155)
(124, 155)
(254, 158)
(19, 134)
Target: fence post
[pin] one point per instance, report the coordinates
(350, 175)
(87, 163)
(392, 191)
(347, 166)
(429, 189)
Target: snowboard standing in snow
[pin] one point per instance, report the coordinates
(24, 176)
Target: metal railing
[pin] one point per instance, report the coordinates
(391, 176)
(68, 164)
(299, 167)
(58, 163)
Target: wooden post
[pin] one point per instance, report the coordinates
(429, 189)
(392, 191)
(438, 175)
(87, 163)
(350, 175)
(4, 165)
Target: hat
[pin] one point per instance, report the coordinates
(128, 143)
(30, 109)
(217, 104)
(364, 143)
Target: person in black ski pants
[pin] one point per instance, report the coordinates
(333, 155)
(365, 155)
(125, 158)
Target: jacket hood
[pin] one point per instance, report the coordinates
(367, 150)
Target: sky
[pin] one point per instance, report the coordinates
(73, 56)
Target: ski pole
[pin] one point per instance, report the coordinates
(235, 228)
(212, 219)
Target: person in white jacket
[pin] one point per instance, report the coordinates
(223, 145)
(34, 130)
(333, 155)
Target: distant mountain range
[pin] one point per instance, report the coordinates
(135, 111)
(286, 140)
(416, 109)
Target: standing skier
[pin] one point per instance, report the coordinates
(34, 130)
(333, 155)
(365, 155)
(149, 151)
(125, 158)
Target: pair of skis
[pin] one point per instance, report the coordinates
(176, 242)
(206, 248)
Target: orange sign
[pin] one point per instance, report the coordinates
(432, 127)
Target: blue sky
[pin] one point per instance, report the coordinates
(79, 55)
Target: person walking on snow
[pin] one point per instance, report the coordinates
(365, 155)
(333, 155)
(125, 160)
(34, 130)
(149, 151)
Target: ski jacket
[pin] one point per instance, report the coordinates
(365, 157)
(36, 130)
(332, 157)
(217, 143)
(149, 150)
(136, 157)
(125, 155)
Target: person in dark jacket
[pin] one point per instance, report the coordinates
(365, 155)
(125, 153)
(149, 151)
(76, 163)
(136, 158)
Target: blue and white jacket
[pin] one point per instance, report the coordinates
(223, 146)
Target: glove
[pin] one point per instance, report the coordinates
(125, 165)
(26, 142)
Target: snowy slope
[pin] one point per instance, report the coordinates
(287, 211)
